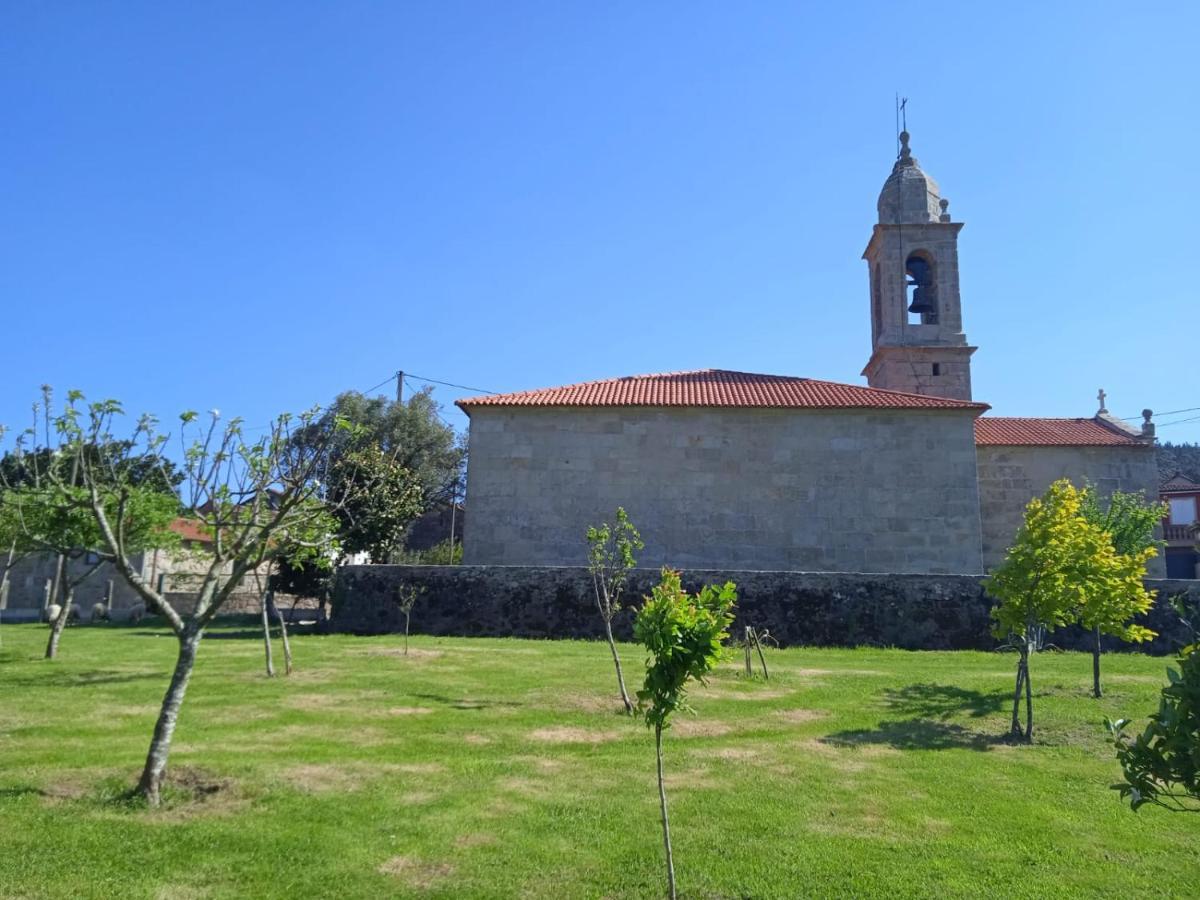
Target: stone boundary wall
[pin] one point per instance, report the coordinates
(913, 612)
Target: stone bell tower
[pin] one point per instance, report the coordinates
(917, 336)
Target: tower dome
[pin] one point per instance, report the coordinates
(909, 196)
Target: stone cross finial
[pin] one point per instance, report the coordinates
(905, 152)
(1101, 397)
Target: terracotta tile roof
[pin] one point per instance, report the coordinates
(719, 388)
(1180, 484)
(191, 530)
(1001, 430)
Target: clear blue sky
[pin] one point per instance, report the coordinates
(255, 206)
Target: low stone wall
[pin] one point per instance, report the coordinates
(914, 612)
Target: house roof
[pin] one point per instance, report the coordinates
(1019, 432)
(191, 530)
(1179, 484)
(720, 388)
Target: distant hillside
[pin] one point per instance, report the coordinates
(1183, 458)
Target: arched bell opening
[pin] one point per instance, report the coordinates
(921, 289)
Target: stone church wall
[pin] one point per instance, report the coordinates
(914, 612)
(810, 490)
(1009, 477)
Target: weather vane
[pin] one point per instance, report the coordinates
(901, 119)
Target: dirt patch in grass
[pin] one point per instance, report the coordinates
(731, 753)
(429, 768)
(192, 792)
(700, 728)
(62, 792)
(477, 740)
(592, 703)
(409, 710)
(182, 892)
(476, 839)
(320, 778)
(747, 694)
(352, 700)
(416, 873)
(566, 734)
(413, 652)
(801, 716)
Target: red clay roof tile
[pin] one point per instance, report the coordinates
(720, 388)
(1180, 484)
(1001, 431)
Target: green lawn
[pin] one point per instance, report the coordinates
(502, 768)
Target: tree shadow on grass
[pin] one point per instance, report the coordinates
(79, 679)
(917, 734)
(941, 701)
(930, 705)
(465, 702)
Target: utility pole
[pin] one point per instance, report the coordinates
(400, 386)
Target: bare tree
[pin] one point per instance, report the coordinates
(610, 560)
(406, 597)
(247, 493)
(46, 512)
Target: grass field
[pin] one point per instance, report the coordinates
(503, 768)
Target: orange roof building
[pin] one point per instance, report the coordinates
(723, 469)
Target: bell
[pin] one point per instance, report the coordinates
(920, 303)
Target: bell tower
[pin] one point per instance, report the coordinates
(917, 337)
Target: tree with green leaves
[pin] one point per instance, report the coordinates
(610, 560)
(684, 636)
(52, 517)
(410, 433)
(375, 497)
(1059, 563)
(1162, 764)
(43, 507)
(1129, 521)
(251, 495)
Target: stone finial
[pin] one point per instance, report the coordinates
(905, 152)
(1101, 396)
(944, 205)
(1147, 425)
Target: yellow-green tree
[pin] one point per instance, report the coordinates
(684, 635)
(1059, 565)
(1129, 521)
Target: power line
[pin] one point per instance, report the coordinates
(1169, 412)
(450, 384)
(381, 384)
(436, 412)
(1179, 421)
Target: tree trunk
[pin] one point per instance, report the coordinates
(287, 646)
(266, 624)
(56, 629)
(1015, 730)
(662, 805)
(407, 615)
(761, 657)
(1096, 692)
(150, 785)
(59, 567)
(4, 589)
(749, 659)
(1028, 703)
(612, 645)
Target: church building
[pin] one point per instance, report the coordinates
(734, 470)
